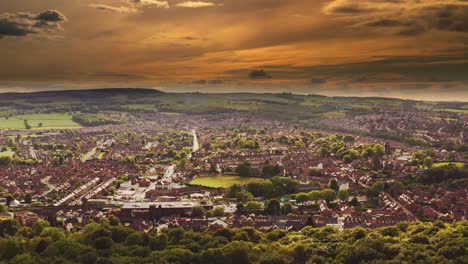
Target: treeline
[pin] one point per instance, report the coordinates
(274, 187)
(111, 242)
(450, 174)
(89, 120)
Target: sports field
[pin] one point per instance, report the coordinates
(224, 181)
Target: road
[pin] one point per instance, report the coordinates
(196, 146)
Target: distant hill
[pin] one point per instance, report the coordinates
(83, 94)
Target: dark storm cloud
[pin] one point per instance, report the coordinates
(406, 17)
(14, 25)
(51, 15)
(259, 74)
(23, 24)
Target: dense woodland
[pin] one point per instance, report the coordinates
(110, 242)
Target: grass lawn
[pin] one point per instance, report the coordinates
(11, 123)
(224, 181)
(7, 153)
(464, 111)
(441, 164)
(445, 118)
(101, 155)
(49, 121)
(147, 107)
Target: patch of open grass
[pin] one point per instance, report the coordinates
(452, 110)
(442, 164)
(450, 119)
(7, 153)
(224, 181)
(148, 107)
(48, 121)
(11, 123)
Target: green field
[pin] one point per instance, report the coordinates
(445, 118)
(442, 164)
(101, 155)
(11, 123)
(49, 121)
(224, 181)
(148, 107)
(7, 153)
(452, 110)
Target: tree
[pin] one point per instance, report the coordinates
(269, 171)
(287, 208)
(253, 207)
(328, 195)
(347, 159)
(5, 160)
(218, 211)
(39, 225)
(375, 163)
(28, 198)
(428, 162)
(244, 169)
(8, 227)
(302, 198)
(243, 197)
(367, 153)
(103, 243)
(314, 195)
(158, 242)
(343, 195)
(379, 150)
(114, 221)
(376, 188)
(9, 199)
(354, 201)
(234, 190)
(334, 185)
(26, 124)
(197, 211)
(272, 207)
(323, 152)
(396, 188)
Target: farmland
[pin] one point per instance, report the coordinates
(224, 181)
(39, 121)
(452, 110)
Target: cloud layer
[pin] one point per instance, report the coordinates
(405, 17)
(344, 45)
(23, 24)
(134, 6)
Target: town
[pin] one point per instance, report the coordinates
(232, 170)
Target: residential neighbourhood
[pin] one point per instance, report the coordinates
(197, 172)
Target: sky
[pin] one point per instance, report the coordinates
(394, 48)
